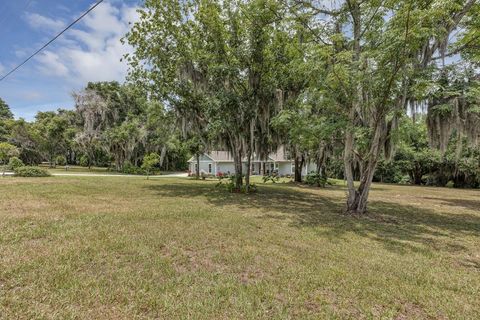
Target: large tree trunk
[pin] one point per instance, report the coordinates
(348, 163)
(197, 171)
(358, 198)
(237, 159)
(247, 174)
(417, 175)
(299, 161)
(321, 160)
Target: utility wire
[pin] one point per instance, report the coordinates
(52, 40)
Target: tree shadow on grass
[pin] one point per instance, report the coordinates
(400, 228)
(467, 204)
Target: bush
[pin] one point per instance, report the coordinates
(149, 162)
(450, 184)
(272, 178)
(405, 180)
(83, 161)
(204, 175)
(61, 161)
(315, 179)
(7, 151)
(227, 182)
(14, 163)
(129, 168)
(31, 172)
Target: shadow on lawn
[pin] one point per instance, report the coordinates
(467, 204)
(398, 227)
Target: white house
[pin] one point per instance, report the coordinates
(217, 162)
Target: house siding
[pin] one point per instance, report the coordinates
(309, 167)
(203, 166)
(225, 167)
(284, 168)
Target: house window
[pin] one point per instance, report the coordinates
(253, 167)
(196, 167)
(209, 168)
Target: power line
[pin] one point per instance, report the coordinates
(52, 40)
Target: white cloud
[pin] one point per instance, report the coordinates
(51, 64)
(92, 50)
(44, 23)
(2, 69)
(20, 53)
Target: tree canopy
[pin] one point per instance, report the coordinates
(5, 112)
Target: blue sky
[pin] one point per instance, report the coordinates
(90, 51)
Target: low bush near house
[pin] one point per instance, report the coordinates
(272, 178)
(315, 179)
(31, 172)
(227, 182)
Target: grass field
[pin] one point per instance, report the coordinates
(111, 248)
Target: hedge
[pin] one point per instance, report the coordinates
(31, 172)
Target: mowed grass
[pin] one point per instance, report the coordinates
(111, 248)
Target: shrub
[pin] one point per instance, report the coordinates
(273, 178)
(129, 168)
(14, 163)
(450, 184)
(405, 180)
(31, 172)
(83, 161)
(61, 161)
(228, 183)
(315, 179)
(7, 151)
(149, 162)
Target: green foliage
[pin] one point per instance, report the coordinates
(273, 178)
(5, 112)
(228, 183)
(7, 151)
(31, 172)
(84, 161)
(442, 110)
(14, 163)
(129, 168)
(315, 179)
(60, 160)
(150, 161)
(220, 72)
(50, 130)
(450, 184)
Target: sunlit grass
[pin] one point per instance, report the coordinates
(116, 248)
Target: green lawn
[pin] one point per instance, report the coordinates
(111, 248)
